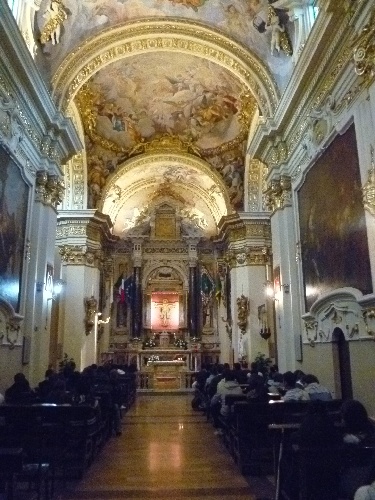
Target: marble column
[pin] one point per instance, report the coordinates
(193, 298)
(137, 294)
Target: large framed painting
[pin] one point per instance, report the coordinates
(14, 194)
(334, 244)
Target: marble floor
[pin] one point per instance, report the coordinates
(166, 451)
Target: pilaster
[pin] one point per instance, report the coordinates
(82, 239)
(247, 242)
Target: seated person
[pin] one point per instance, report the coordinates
(312, 457)
(359, 432)
(315, 390)
(365, 492)
(256, 391)
(20, 392)
(293, 393)
(58, 394)
(229, 386)
(275, 384)
(45, 387)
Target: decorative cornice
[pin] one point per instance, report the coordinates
(174, 34)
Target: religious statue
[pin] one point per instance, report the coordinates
(242, 312)
(165, 308)
(279, 36)
(55, 15)
(91, 305)
(207, 306)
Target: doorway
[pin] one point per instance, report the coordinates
(342, 365)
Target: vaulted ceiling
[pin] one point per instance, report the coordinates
(167, 91)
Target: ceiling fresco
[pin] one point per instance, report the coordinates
(248, 22)
(161, 93)
(152, 98)
(133, 194)
(131, 103)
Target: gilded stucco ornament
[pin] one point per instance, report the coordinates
(278, 194)
(319, 124)
(369, 319)
(80, 256)
(10, 123)
(368, 190)
(175, 35)
(242, 312)
(364, 50)
(91, 308)
(279, 36)
(86, 99)
(55, 15)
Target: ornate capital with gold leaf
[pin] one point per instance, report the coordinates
(80, 256)
(279, 193)
(364, 50)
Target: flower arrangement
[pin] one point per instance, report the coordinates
(180, 343)
(150, 342)
(152, 358)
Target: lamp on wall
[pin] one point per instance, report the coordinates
(271, 288)
(57, 288)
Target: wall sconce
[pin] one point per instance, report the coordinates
(265, 333)
(103, 321)
(270, 288)
(58, 286)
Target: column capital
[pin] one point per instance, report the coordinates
(81, 256)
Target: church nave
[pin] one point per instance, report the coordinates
(166, 451)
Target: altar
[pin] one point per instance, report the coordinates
(166, 374)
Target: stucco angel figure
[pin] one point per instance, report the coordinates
(55, 15)
(276, 30)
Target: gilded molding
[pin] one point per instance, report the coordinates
(86, 98)
(368, 190)
(248, 256)
(279, 193)
(69, 231)
(177, 35)
(80, 256)
(364, 50)
(255, 185)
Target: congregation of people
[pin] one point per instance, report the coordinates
(71, 387)
(354, 431)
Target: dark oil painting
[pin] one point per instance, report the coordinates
(13, 215)
(333, 232)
